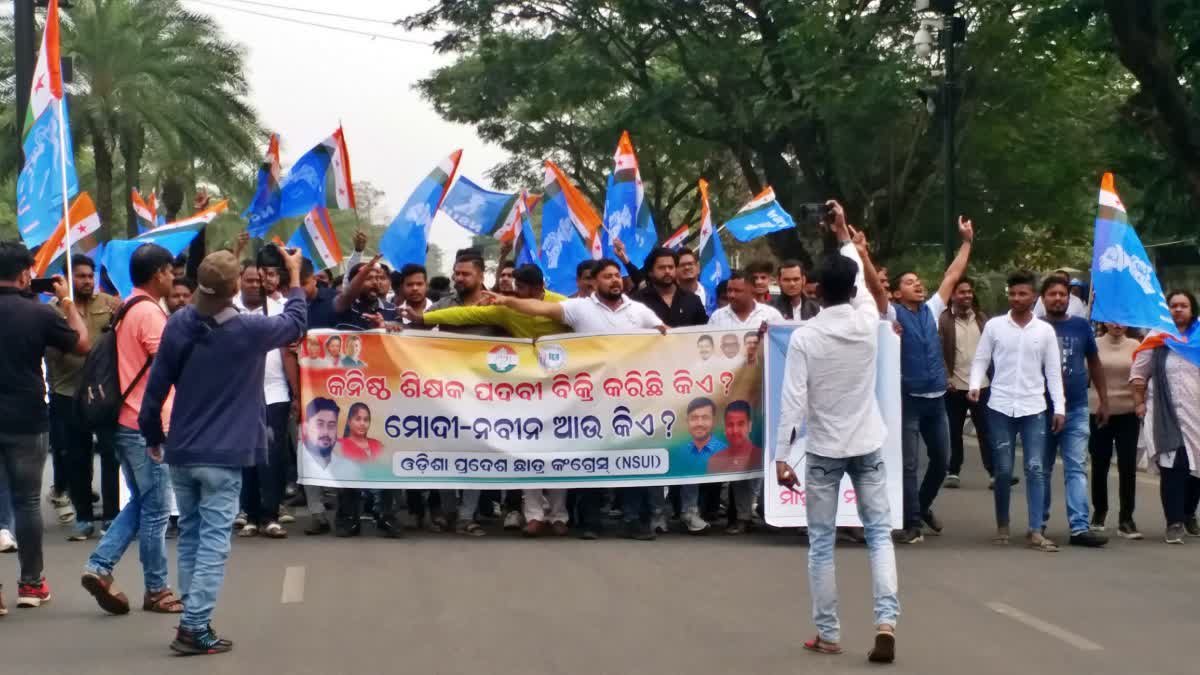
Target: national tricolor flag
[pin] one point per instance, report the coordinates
(675, 241)
(317, 240)
(146, 211)
(340, 160)
(47, 89)
(714, 266)
(85, 223)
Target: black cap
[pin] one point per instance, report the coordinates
(530, 275)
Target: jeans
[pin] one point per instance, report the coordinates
(744, 493)
(926, 418)
(144, 518)
(1073, 440)
(823, 478)
(6, 507)
(689, 498)
(1121, 431)
(75, 444)
(262, 485)
(22, 459)
(636, 504)
(467, 506)
(1033, 431)
(957, 409)
(208, 503)
(1179, 490)
(589, 503)
(557, 498)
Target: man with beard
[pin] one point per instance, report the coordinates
(607, 310)
(181, 294)
(793, 303)
(320, 432)
(505, 277)
(676, 308)
(687, 275)
(468, 291)
(70, 443)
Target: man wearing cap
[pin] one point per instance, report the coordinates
(215, 358)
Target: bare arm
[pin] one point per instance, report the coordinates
(870, 274)
(530, 307)
(72, 315)
(351, 292)
(958, 266)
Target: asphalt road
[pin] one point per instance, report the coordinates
(447, 604)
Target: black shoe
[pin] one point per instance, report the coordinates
(346, 529)
(589, 535)
(188, 643)
(318, 525)
(639, 532)
(1089, 539)
(173, 528)
(931, 521)
(1192, 526)
(1015, 480)
(909, 535)
(389, 527)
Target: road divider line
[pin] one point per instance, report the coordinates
(293, 586)
(1077, 641)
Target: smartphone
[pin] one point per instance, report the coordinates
(813, 214)
(45, 285)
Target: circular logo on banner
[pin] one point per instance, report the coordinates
(502, 359)
(552, 357)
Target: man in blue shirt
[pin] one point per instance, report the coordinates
(1077, 343)
(923, 384)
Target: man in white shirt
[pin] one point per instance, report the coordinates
(828, 412)
(746, 313)
(606, 310)
(923, 386)
(1024, 353)
(262, 486)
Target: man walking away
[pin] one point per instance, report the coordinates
(215, 357)
(29, 328)
(831, 360)
(144, 518)
(1023, 353)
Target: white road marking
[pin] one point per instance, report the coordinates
(293, 586)
(1076, 641)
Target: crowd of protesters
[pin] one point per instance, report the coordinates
(208, 372)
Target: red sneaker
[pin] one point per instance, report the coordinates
(33, 595)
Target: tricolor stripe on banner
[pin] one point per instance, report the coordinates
(84, 225)
(317, 240)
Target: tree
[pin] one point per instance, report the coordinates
(152, 74)
(368, 199)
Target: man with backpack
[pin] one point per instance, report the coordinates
(215, 357)
(28, 329)
(136, 331)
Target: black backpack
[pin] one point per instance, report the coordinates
(99, 399)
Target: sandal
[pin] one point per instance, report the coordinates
(1001, 537)
(438, 525)
(822, 647)
(471, 529)
(884, 650)
(1038, 542)
(162, 602)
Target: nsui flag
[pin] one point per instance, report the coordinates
(1126, 288)
(763, 215)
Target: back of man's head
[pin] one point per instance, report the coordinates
(836, 275)
(14, 259)
(529, 274)
(147, 261)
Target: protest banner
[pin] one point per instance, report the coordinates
(783, 507)
(431, 410)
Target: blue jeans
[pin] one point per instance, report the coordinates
(144, 518)
(208, 499)
(823, 478)
(6, 507)
(926, 418)
(1073, 440)
(1002, 431)
(689, 498)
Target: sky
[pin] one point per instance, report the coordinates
(304, 79)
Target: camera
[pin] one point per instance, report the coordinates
(271, 255)
(812, 214)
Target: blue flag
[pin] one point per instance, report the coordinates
(527, 249)
(264, 208)
(304, 187)
(479, 211)
(763, 215)
(562, 246)
(627, 217)
(714, 266)
(117, 252)
(40, 196)
(407, 238)
(1125, 286)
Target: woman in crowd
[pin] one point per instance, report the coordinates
(1121, 430)
(355, 445)
(1166, 381)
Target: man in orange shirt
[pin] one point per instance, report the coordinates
(144, 518)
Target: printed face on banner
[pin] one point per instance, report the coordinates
(636, 409)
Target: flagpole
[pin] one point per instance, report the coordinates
(62, 158)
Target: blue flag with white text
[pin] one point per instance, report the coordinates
(762, 215)
(40, 184)
(407, 238)
(479, 211)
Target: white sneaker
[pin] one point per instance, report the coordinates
(512, 521)
(8, 543)
(694, 523)
(659, 525)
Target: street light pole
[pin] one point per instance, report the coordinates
(949, 105)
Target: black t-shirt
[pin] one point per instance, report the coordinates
(685, 310)
(27, 328)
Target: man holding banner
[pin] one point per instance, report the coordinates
(831, 360)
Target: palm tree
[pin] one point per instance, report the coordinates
(150, 73)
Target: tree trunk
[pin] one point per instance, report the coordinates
(171, 198)
(132, 142)
(103, 158)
